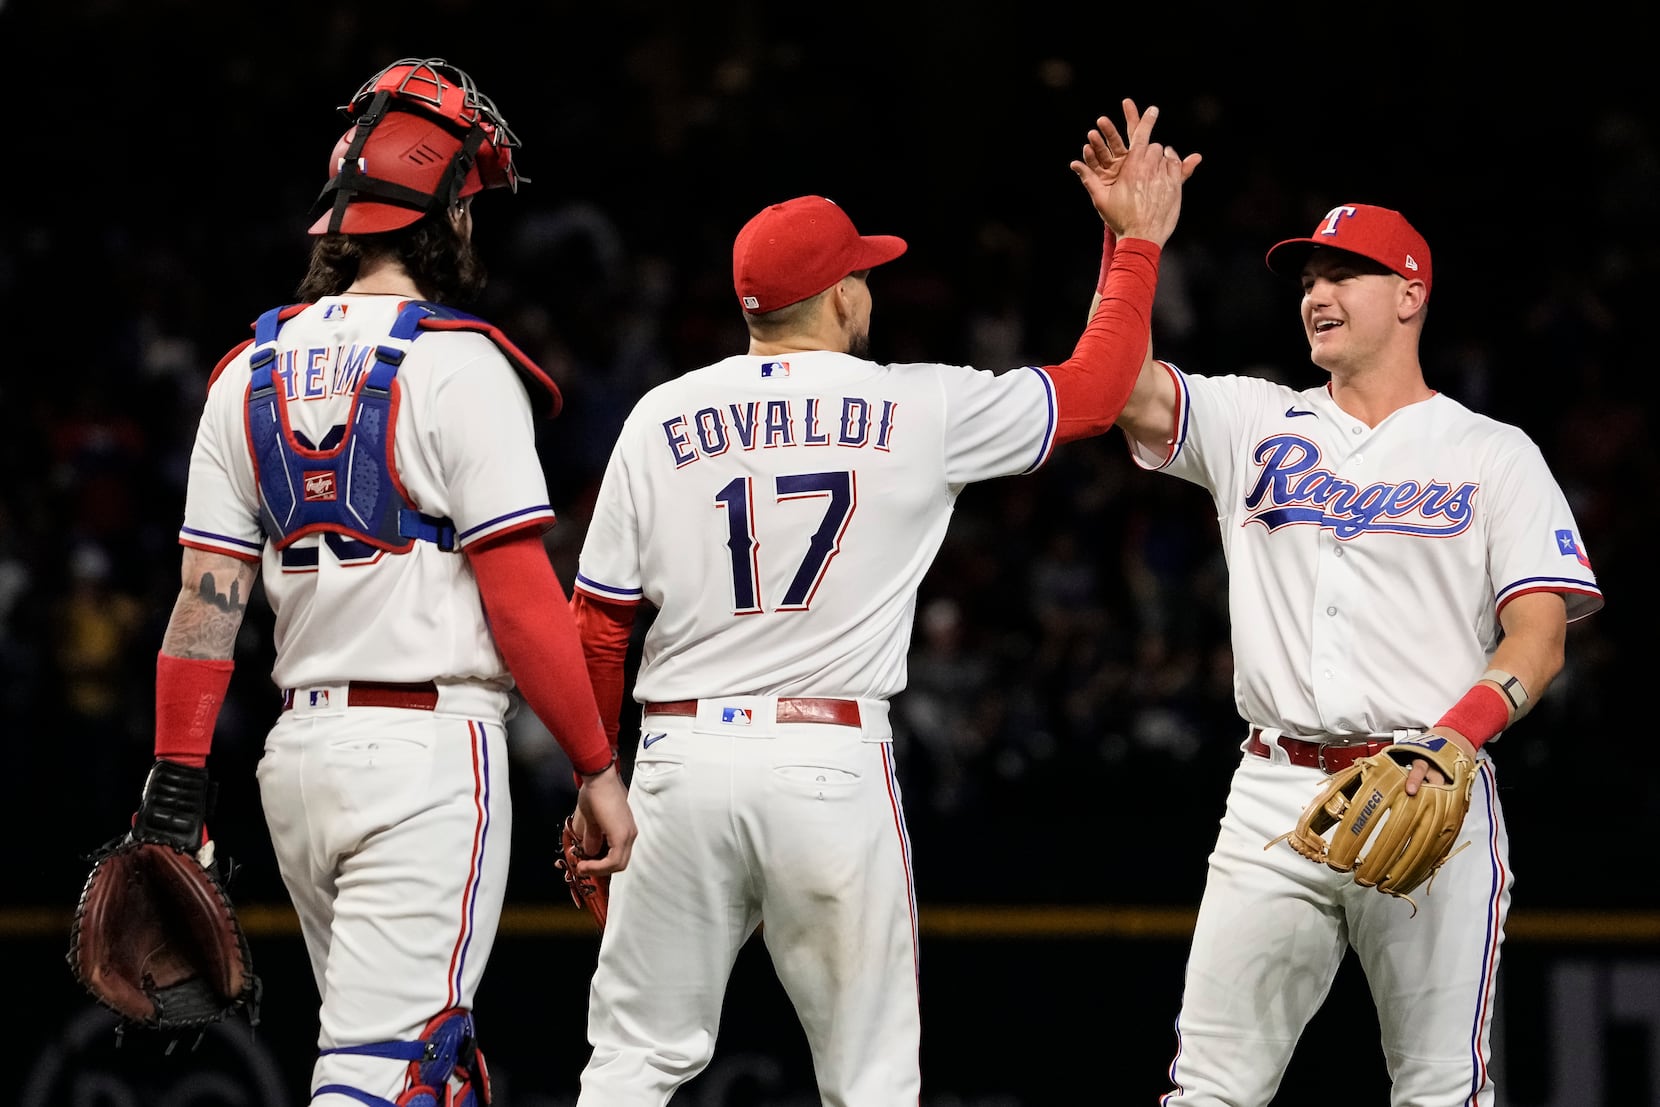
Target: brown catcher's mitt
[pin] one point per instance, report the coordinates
(1405, 839)
(155, 938)
(590, 893)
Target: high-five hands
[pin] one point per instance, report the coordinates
(1135, 186)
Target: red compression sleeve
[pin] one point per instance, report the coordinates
(1108, 241)
(189, 693)
(604, 628)
(530, 619)
(1482, 713)
(1093, 385)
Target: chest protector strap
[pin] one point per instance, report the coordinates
(352, 486)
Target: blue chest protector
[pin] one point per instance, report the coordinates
(350, 486)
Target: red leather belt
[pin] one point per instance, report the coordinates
(371, 693)
(791, 709)
(1329, 757)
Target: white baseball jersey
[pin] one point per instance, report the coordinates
(1367, 567)
(371, 806)
(464, 449)
(794, 504)
(780, 513)
(1368, 564)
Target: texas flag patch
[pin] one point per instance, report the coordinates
(771, 369)
(1566, 545)
(742, 716)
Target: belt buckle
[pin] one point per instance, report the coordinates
(1320, 754)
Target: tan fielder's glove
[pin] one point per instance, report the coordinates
(1390, 841)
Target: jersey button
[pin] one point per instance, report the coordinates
(1338, 551)
(1331, 611)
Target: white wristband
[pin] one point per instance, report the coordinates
(1512, 688)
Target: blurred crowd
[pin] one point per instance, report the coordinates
(1069, 714)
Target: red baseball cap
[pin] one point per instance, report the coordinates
(1380, 234)
(790, 251)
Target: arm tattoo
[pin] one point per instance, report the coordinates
(205, 620)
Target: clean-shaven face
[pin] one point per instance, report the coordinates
(1350, 308)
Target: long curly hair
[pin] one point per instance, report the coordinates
(444, 265)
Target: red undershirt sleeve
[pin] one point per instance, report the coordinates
(530, 619)
(1093, 385)
(605, 628)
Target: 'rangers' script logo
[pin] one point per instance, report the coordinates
(319, 486)
(1292, 491)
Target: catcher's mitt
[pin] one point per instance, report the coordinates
(1410, 837)
(155, 938)
(591, 893)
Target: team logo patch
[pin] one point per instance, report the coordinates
(774, 369)
(319, 486)
(1294, 488)
(1569, 548)
(335, 311)
(741, 716)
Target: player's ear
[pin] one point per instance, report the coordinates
(851, 293)
(1414, 295)
(461, 217)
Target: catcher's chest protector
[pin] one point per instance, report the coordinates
(349, 486)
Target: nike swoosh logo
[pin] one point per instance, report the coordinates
(1292, 412)
(651, 740)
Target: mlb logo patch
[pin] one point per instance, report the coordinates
(1566, 545)
(318, 697)
(771, 369)
(335, 311)
(742, 716)
(319, 486)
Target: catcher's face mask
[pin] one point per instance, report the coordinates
(422, 137)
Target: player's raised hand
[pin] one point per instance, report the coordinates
(1130, 183)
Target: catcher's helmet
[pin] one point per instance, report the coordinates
(422, 137)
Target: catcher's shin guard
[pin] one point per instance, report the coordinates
(446, 1067)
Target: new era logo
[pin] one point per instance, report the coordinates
(1412, 263)
(319, 486)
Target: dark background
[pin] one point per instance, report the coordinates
(1070, 672)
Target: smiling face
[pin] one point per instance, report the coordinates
(1354, 310)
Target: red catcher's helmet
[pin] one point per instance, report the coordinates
(422, 137)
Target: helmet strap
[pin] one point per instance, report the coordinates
(351, 182)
